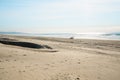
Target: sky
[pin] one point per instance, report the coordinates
(61, 16)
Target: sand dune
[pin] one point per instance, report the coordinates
(69, 59)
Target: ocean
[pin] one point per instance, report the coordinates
(104, 36)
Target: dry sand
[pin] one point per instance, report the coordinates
(68, 60)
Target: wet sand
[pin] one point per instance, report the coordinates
(69, 59)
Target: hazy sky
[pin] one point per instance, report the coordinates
(43, 16)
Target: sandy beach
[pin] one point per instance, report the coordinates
(69, 59)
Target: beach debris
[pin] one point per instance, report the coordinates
(71, 38)
(8, 41)
(46, 46)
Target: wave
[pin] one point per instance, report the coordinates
(110, 34)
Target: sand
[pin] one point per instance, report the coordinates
(69, 59)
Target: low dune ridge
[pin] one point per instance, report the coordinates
(75, 59)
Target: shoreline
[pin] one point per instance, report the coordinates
(60, 37)
(27, 36)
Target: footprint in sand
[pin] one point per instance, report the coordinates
(65, 60)
(24, 54)
(20, 71)
(7, 60)
(66, 76)
(48, 64)
(1, 68)
(78, 62)
(0, 61)
(98, 78)
(45, 68)
(10, 55)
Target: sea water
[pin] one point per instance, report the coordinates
(106, 36)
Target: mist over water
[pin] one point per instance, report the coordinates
(105, 36)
